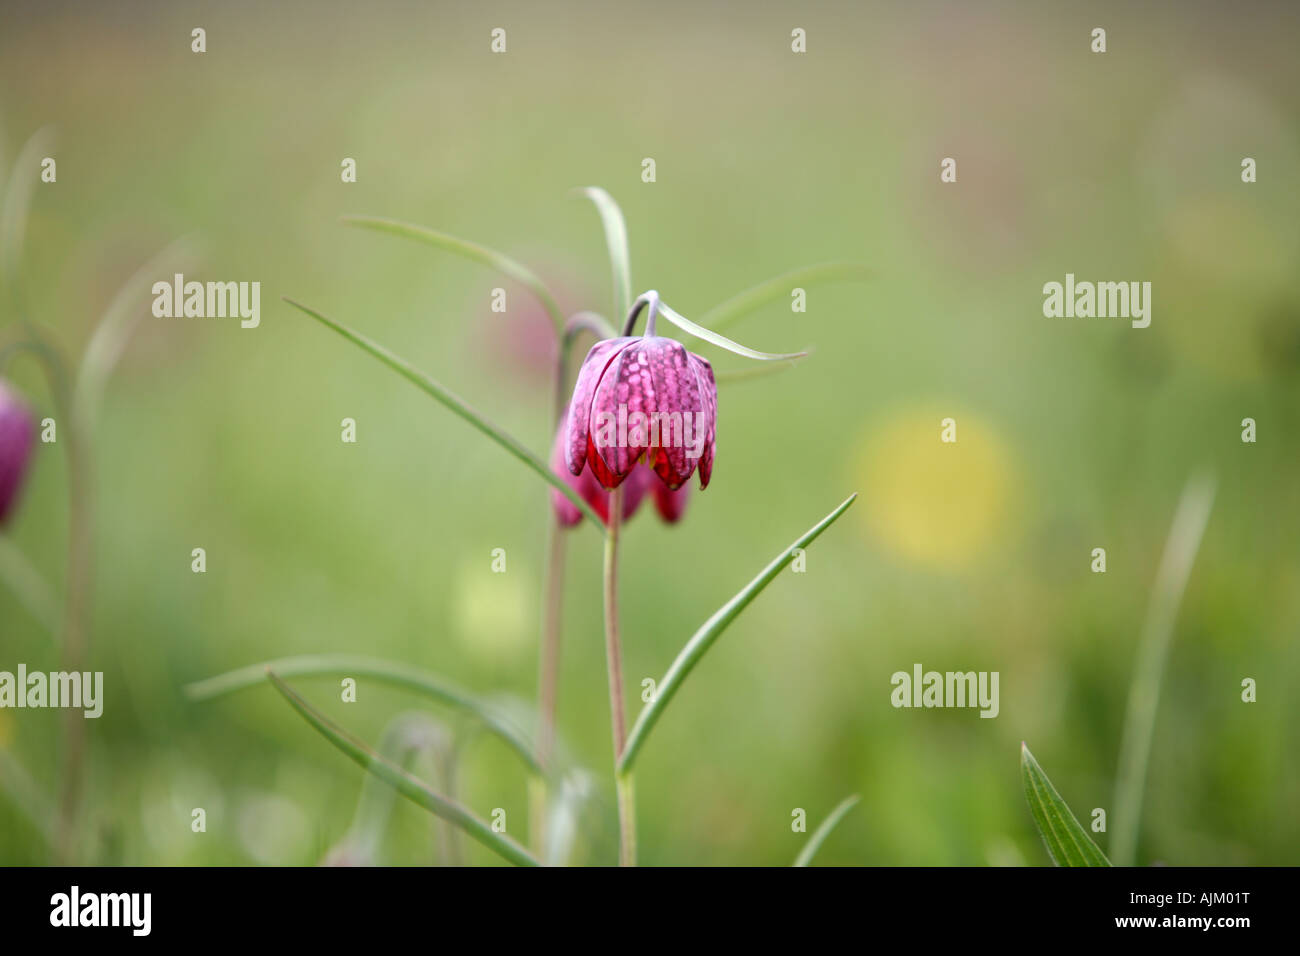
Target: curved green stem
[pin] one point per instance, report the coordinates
(822, 832)
(548, 677)
(625, 786)
(28, 586)
(77, 585)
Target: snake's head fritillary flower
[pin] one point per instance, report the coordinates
(642, 399)
(591, 490)
(17, 435)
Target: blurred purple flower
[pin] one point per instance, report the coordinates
(17, 435)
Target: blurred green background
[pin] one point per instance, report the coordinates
(1073, 434)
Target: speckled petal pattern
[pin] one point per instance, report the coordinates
(709, 389)
(589, 377)
(629, 391)
(627, 388)
(678, 391)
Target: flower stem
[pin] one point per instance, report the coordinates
(626, 787)
(548, 680)
(614, 662)
(549, 669)
(77, 584)
(651, 299)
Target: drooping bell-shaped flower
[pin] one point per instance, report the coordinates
(671, 505)
(17, 435)
(645, 399)
(591, 490)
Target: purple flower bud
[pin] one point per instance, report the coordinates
(17, 435)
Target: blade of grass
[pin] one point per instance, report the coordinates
(458, 406)
(118, 323)
(565, 816)
(1066, 840)
(737, 307)
(398, 675)
(404, 783)
(470, 250)
(721, 341)
(703, 639)
(405, 738)
(16, 203)
(822, 832)
(611, 217)
(1184, 541)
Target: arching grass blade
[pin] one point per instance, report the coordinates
(1067, 841)
(749, 301)
(457, 405)
(611, 217)
(398, 675)
(404, 783)
(822, 832)
(502, 263)
(709, 631)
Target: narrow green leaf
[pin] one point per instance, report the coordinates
(457, 405)
(470, 250)
(1184, 541)
(15, 204)
(1067, 841)
(404, 783)
(703, 639)
(591, 322)
(398, 675)
(822, 832)
(737, 307)
(611, 217)
(721, 341)
(405, 738)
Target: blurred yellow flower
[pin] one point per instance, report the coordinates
(934, 502)
(493, 611)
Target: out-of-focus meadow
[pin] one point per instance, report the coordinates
(1072, 433)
